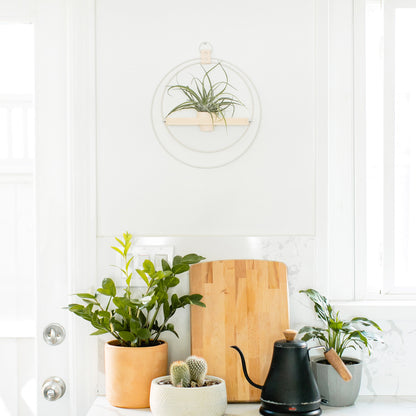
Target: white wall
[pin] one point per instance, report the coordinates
(270, 189)
(263, 205)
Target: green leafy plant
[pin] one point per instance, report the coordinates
(137, 320)
(338, 334)
(204, 95)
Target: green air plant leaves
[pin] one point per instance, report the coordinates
(139, 319)
(338, 334)
(204, 95)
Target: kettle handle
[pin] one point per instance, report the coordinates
(243, 362)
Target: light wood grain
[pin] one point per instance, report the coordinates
(193, 121)
(336, 362)
(247, 306)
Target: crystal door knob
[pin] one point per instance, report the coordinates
(53, 388)
(54, 334)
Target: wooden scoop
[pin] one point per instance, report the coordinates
(336, 362)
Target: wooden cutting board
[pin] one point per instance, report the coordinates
(247, 306)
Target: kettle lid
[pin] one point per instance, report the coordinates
(289, 341)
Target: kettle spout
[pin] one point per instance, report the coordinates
(243, 362)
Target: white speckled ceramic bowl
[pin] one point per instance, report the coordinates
(167, 400)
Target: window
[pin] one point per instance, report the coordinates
(386, 162)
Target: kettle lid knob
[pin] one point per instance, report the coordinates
(289, 334)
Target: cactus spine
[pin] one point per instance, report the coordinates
(179, 374)
(197, 369)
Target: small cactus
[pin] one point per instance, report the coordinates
(179, 374)
(198, 369)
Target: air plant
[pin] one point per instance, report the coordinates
(204, 95)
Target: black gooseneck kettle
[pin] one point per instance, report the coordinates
(290, 386)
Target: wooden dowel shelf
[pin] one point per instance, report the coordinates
(192, 121)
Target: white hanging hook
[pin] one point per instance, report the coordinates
(205, 49)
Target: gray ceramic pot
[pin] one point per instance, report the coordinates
(334, 390)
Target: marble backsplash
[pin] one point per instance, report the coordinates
(386, 372)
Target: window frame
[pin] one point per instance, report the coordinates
(387, 289)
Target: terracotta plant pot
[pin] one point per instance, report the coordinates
(334, 390)
(129, 372)
(167, 400)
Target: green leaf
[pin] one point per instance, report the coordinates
(75, 307)
(171, 328)
(127, 336)
(159, 275)
(172, 282)
(307, 337)
(148, 267)
(366, 322)
(88, 310)
(108, 288)
(335, 325)
(195, 300)
(135, 325)
(321, 305)
(142, 318)
(162, 297)
(143, 275)
(144, 334)
(192, 258)
(120, 302)
(166, 310)
(117, 326)
(99, 332)
(118, 250)
(305, 329)
(85, 295)
(177, 260)
(109, 285)
(128, 263)
(165, 265)
(180, 268)
(104, 314)
(119, 241)
(175, 301)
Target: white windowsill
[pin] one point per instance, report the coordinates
(382, 309)
(365, 406)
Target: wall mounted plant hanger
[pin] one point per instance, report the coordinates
(210, 98)
(206, 95)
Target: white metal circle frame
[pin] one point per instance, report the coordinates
(203, 152)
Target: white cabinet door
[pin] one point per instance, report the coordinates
(65, 197)
(64, 181)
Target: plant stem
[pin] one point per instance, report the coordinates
(154, 316)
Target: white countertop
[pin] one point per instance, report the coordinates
(365, 406)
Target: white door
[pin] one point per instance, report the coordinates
(64, 182)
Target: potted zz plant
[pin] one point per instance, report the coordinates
(339, 335)
(210, 99)
(188, 391)
(136, 355)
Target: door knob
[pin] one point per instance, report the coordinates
(54, 334)
(53, 388)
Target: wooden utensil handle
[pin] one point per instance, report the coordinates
(336, 362)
